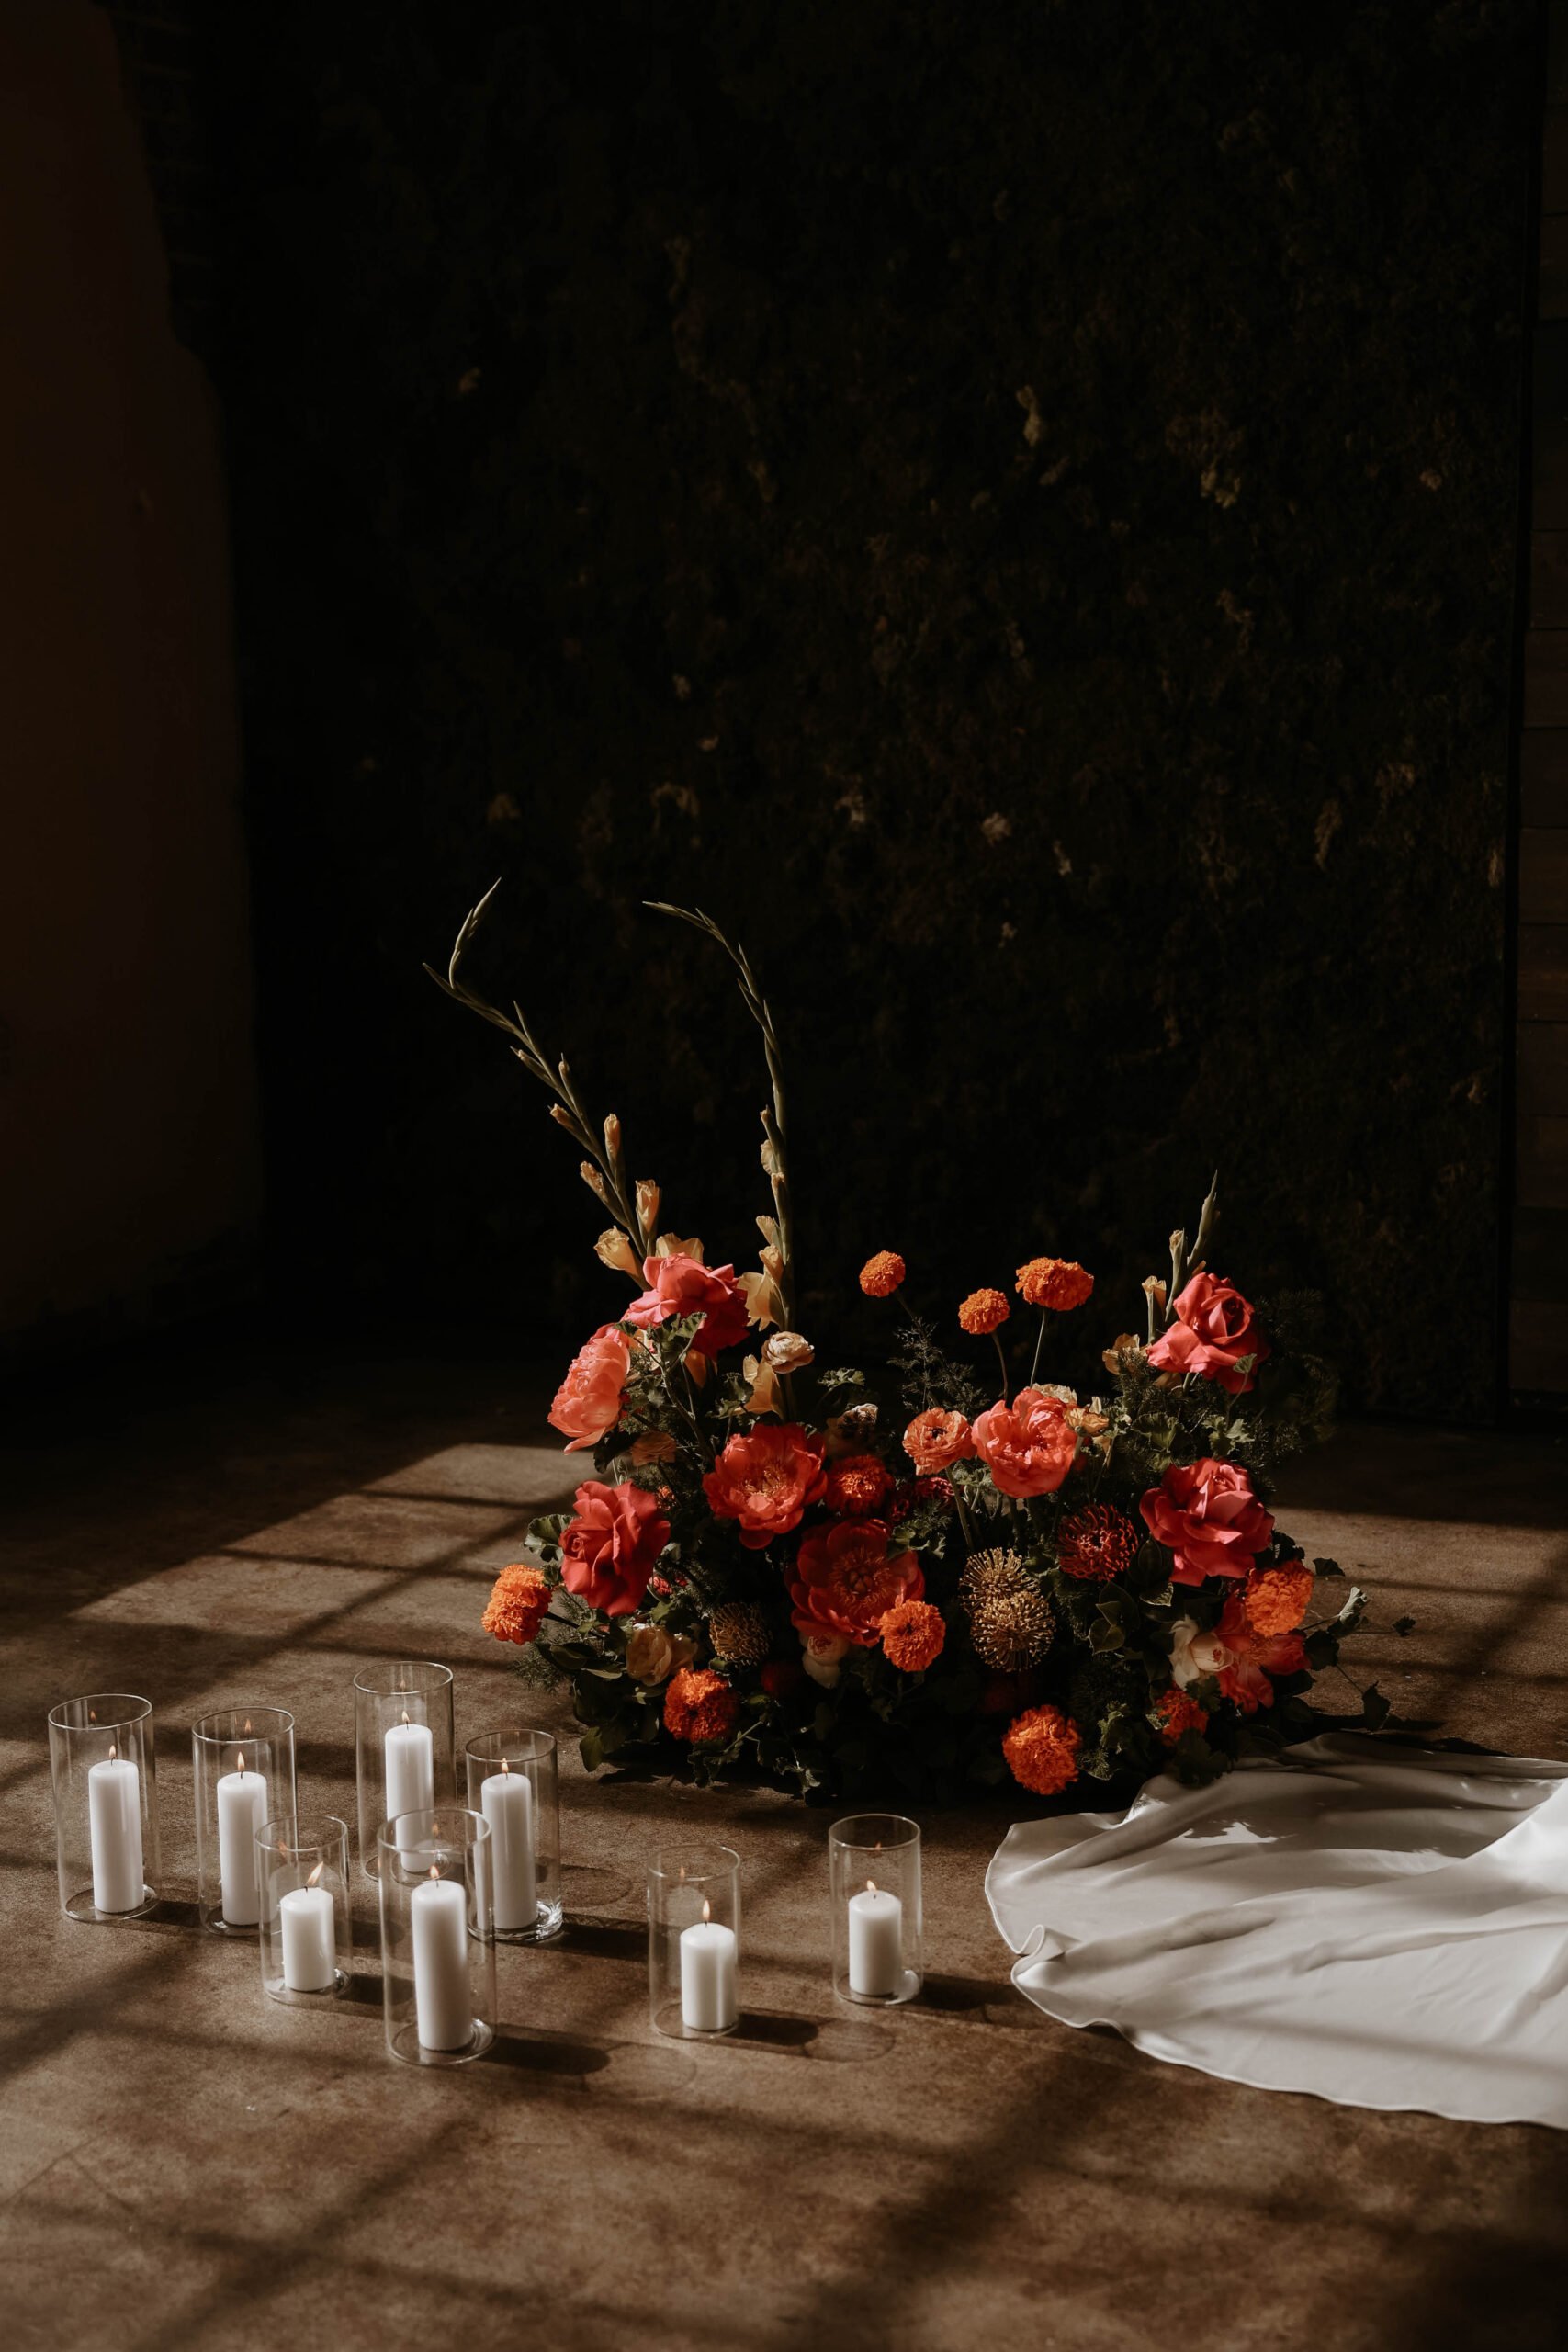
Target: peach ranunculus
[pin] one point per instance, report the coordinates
(935, 1439)
(1208, 1515)
(1027, 1446)
(588, 1402)
(653, 1655)
(1236, 1655)
(765, 1479)
(846, 1583)
(681, 1285)
(1213, 1328)
(609, 1547)
(822, 1656)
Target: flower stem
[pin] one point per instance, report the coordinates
(1038, 1343)
(1003, 1362)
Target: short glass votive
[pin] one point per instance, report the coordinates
(693, 1941)
(874, 1861)
(403, 1745)
(437, 1950)
(106, 1805)
(512, 1781)
(242, 1762)
(307, 1926)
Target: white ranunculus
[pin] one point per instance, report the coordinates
(1194, 1654)
(822, 1656)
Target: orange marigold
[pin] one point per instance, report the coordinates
(912, 1637)
(1178, 1714)
(1042, 1749)
(983, 1311)
(1276, 1598)
(700, 1706)
(520, 1598)
(1058, 1283)
(856, 1484)
(880, 1276)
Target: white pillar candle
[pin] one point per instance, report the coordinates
(114, 1821)
(241, 1809)
(876, 1943)
(439, 1909)
(410, 1756)
(309, 1937)
(507, 1800)
(708, 1976)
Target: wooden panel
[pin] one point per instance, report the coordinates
(1543, 1070)
(1549, 575)
(1543, 877)
(1546, 677)
(1555, 161)
(1537, 1348)
(1541, 1165)
(1544, 776)
(1552, 293)
(1549, 412)
(1543, 971)
(1540, 1256)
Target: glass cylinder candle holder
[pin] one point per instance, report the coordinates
(403, 1745)
(437, 1947)
(874, 1861)
(307, 1926)
(693, 1941)
(106, 1805)
(512, 1781)
(242, 1762)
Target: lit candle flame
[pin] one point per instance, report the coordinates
(247, 1722)
(871, 1886)
(707, 1912)
(113, 1751)
(242, 1760)
(316, 1873)
(433, 1872)
(504, 1764)
(405, 1714)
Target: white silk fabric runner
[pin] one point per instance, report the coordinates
(1384, 1925)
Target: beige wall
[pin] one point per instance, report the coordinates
(128, 1153)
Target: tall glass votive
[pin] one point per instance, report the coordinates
(105, 1805)
(437, 1947)
(403, 1745)
(874, 1861)
(512, 1781)
(693, 1941)
(242, 1761)
(307, 1926)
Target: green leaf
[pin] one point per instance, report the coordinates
(1329, 1567)
(1403, 1625)
(591, 1748)
(1375, 1709)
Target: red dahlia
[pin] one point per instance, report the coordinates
(1096, 1544)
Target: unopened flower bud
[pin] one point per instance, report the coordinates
(1155, 1289)
(647, 1203)
(611, 1136)
(561, 1116)
(595, 1181)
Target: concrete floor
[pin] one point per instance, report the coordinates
(184, 2164)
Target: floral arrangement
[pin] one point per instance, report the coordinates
(838, 1582)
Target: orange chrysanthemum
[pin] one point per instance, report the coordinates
(983, 1311)
(880, 1276)
(700, 1706)
(912, 1637)
(1178, 1714)
(520, 1598)
(1042, 1749)
(1056, 1282)
(856, 1484)
(1276, 1598)
(1096, 1544)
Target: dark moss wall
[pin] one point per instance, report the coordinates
(1012, 509)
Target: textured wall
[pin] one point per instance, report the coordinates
(1015, 510)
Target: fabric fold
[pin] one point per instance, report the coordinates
(1382, 1926)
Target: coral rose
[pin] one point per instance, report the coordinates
(683, 1285)
(856, 1484)
(1041, 1750)
(912, 1637)
(765, 1479)
(935, 1439)
(609, 1548)
(983, 1311)
(700, 1706)
(520, 1598)
(1027, 1446)
(588, 1402)
(653, 1655)
(1056, 1282)
(846, 1583)
(1278, 1598)
(880, 1276)
(1215, 1327)
(1209, 1516)
(1178, 1714)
